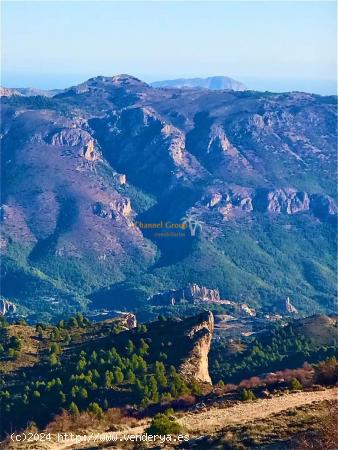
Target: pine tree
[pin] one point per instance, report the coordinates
(96, 409)
(142, 366)
(131, 376)
(118, 375)
(53, 360)
(109, 379)
(83, 393)
(73, 409)
(36, 394)
(153, 389)
(81, 364)
(160, 374)
(143, 348)
(130, 348)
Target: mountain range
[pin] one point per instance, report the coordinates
(213, 83)
(114, 190)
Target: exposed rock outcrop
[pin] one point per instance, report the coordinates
(70, 137)
(288, 307)
(115, 208)
(121, 178)
(125, 320)
(6, 307)
(76, 137)
(90, 153)
(287, 201)
(199, 331)
(237, 200)
(190, 294)
(290, 201)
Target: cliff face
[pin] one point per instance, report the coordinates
(199, 332)
(236, 202)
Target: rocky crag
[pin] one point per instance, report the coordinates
(199, 331)
(190, 294)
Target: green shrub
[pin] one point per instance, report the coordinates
(295, 384)
(247, 395)
(163, 425)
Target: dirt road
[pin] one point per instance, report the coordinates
(215, 419)
(210, 421)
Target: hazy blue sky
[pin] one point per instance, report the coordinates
(268, 45)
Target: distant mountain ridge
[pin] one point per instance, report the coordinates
(212, 83)
(28, 92)
(31, 92)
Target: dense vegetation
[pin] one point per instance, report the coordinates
(89, 370)
(260, 262)
(88, 376)
(276, 350)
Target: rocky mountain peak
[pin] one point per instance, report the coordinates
(125, 81)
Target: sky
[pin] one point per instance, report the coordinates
(277, 46)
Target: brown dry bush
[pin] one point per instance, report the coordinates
(79, 422)
(185, 401)
(86, 421)
(326, 372)
(116, 416)
(251, 383)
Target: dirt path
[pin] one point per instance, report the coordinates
(216, 418)
(210, 421)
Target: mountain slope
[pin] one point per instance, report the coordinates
(85, 170)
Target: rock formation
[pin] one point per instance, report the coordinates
(125, 320)
(116, 207)
(190, 294)
(90, 153)
(289, 308)
(6, 307)
(199, 331)
(235, 201)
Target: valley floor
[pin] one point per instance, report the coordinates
(210, 421)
